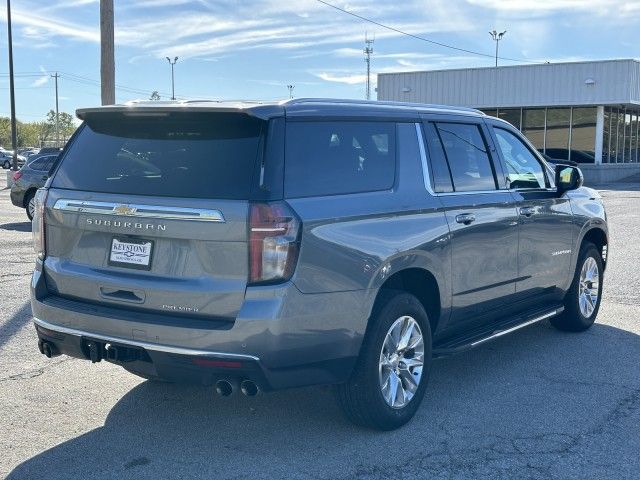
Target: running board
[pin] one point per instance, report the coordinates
(490, 332)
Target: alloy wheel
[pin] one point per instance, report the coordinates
(589, 287)
(401, 362)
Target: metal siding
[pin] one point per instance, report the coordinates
(616, 82)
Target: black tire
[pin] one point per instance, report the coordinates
(572, 319)
(361, 397)
(6, 164)
(27, 198)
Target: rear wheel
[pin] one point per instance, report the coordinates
(582, 302)
(6, 164)
(30, 204)
(390, 378)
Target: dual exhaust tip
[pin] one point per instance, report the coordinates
(224, 388)
(48, 349)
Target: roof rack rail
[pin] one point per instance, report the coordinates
(302, 101)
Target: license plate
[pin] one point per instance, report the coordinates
(131, 253)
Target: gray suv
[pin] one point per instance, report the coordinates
(266, 246)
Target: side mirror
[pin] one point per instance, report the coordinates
(568, 178)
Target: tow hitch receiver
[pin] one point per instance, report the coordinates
(97, 351)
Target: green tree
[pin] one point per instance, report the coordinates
(154, 95)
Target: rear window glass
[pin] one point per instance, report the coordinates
(177, 155)
(332, 158)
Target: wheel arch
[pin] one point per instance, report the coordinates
(25, 197)
(421, 283)
(599, 237)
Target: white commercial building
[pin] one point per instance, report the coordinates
(588, 112)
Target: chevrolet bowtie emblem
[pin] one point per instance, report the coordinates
(124, 210)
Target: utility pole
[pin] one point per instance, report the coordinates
(173, 83)
(496, 38)
(368, 50)
(57, 115)
(14, 131)
(107, 61)
(290, 88)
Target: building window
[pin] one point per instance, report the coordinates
(635, 144)
(613, 139)
(620, 148)
(557, 133)
(583, 134)
(493, 112)
(627, 138)
(533, 126)
(511, 115)
(606, 137)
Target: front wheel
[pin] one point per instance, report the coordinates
(6, 164)
(390, 378)
(582, 301)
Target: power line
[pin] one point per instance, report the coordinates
(418, 37)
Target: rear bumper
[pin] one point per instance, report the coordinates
(280, 338)
(17, 197)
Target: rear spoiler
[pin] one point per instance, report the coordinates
(159, 109)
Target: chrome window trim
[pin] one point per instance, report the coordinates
(423, 159)
(139, 210)
(156, 347)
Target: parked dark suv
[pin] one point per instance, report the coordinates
(265, 246)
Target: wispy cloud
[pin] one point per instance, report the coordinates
(40, 81)
(348, 79)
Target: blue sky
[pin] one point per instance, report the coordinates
(252, 49)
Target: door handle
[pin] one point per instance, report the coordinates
(465, 218)
(527, 211)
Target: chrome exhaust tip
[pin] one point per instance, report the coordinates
(249, 388)
(224, 388)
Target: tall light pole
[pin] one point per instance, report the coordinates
(173, 90)
(290, 88)
(107, 59)
(57, 115)
(14, 132)
(496, 38)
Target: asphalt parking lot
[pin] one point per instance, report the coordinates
(535, 404)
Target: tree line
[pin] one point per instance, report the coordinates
(37, 133)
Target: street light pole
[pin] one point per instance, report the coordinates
(173, 90)
(290, 88)
(14, 132)
(57, 114)
(496, 38)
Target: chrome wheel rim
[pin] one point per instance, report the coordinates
(31, 206)
(401, 362)
(589, 286)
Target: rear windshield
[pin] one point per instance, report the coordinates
(199, 155)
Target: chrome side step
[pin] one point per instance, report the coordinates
(491, 332)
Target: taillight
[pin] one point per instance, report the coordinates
(17, 176)
(37, 224)
(273, 242)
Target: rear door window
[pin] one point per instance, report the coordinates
(197, 155)
(467, 157)
(332, 158)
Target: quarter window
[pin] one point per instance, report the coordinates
(333, 158)
(467, 157)
(523, 168)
